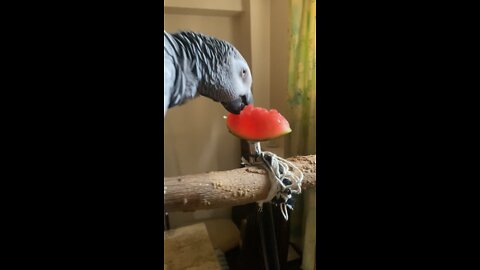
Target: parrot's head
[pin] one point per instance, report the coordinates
(236, 89)
(224, 74)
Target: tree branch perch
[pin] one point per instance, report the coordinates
(228, 188)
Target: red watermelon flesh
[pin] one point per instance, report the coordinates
(258, 124)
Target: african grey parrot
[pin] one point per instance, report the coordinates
(196, 64)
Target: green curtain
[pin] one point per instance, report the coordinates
(302, 118)
(302, 78)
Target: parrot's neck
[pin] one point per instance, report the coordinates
(185, 87)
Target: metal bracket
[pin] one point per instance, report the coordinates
(254, 150)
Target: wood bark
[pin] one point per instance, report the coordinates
(228, 188)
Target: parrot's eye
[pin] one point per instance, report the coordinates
(244, 73)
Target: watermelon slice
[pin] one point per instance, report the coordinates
(257, 124)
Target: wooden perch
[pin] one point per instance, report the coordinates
(228, 188)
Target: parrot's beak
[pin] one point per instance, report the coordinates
(237, 105)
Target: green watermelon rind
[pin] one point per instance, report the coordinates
(261, 139)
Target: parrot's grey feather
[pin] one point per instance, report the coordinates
(183, 83)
